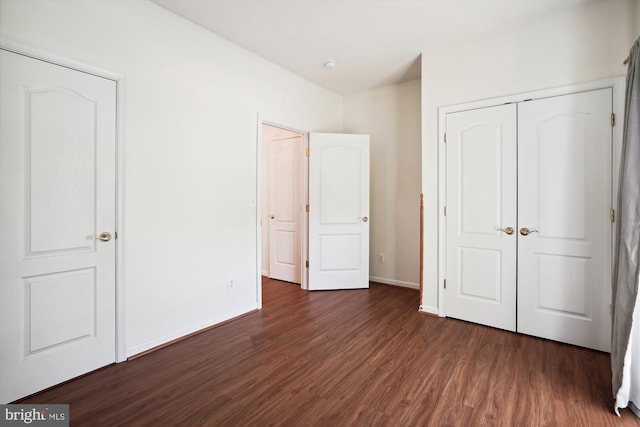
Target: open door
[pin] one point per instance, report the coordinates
(338, 211)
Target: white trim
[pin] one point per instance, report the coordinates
(617, 84)
(259, 272)
(264, 120)
(42, 55)
(619, 94)
(538, 94)
(121, 300)
(195, 327)
(400, 283)
(428, 309)
(442, 202)
(304, 275)
(119, 79)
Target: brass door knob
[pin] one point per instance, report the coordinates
(104, 237)
(525, 231)
(365, 219)
(507, 230)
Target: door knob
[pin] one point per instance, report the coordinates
(272, 216)
(525, 231)
(105, 237)
(507, 230)
(365, 219)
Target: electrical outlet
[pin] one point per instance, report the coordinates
(381, 258)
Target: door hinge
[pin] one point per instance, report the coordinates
(306, 264)
(613, 119)
(307, 208)
(612, 215)
(307, 152)
(445, 211)
(445, 283)
(445, 137)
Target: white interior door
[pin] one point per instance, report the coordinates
(481, 200)
(57, 191)
(338, 211)
(284, 208)
(564, 194)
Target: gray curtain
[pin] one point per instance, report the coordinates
(625, 348)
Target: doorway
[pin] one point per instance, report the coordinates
(341, 175)
(283, 202)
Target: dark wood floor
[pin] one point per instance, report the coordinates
(348, 358)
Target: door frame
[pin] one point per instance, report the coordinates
(304, 198)
(120, 81)
(617, 84)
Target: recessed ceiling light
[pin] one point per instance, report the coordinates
(330, 63)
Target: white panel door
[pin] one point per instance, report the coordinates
(564, 197)
(338, 211)
(481, 200)
(57, 191)
(284, 208)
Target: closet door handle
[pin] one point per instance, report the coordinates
(525, 231)
(507, 230)
(104, 237)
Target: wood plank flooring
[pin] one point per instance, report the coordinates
(348, 358)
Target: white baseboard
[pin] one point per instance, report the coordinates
(394, 282)
(182, 332)
(429, 310)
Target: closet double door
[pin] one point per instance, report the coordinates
(528, 227)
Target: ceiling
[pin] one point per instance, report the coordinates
(375, 42)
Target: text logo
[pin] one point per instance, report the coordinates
(34, 415)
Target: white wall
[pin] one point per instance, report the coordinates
(636, 6)
(391, 115)
(192, 101)
(583, 44)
